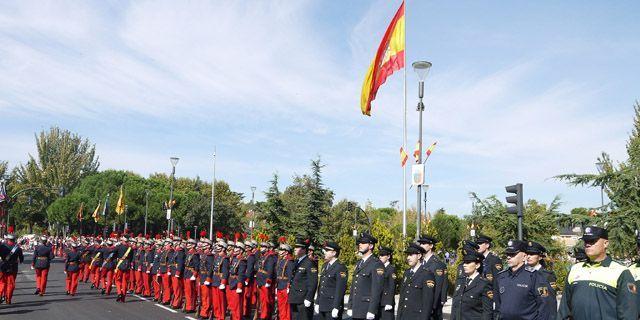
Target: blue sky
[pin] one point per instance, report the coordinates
(518, 92)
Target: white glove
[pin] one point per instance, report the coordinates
(31, 267)
(370, 316)
(65, 272)
(177, 276)
(267, 285)
(238, 290)
(206, 283)
(388, 307)
(246, 283)
(349, 313)
(169, 272)
(316, 309)
(287, 290)
(192, 278)
(148, 271)
(222, 286)
(334, 313)
(307, 303)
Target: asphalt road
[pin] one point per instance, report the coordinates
(86, 304)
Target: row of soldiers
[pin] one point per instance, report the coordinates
(284, 282)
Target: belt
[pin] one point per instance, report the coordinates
(73, 263)
(42, 258)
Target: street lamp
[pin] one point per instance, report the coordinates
(126, 208)
(213, 188)
(600, 167)
(146, 210)
(422, 69)
(174, 162)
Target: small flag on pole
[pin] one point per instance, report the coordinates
(120, 204)
(96, 215)
(80, 212)
(430, 150)
(416, 152)
(403, 157)
(105, 209)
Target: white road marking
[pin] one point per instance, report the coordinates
(168, 309)
(190, 318)
(141, 298)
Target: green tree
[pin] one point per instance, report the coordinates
(621, 182)
(449, 229)
(273, 212)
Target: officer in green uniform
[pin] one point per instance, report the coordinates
(599, 288)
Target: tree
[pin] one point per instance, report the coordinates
(449, 229)
(63, 159)
(273, 212)
(621, 182)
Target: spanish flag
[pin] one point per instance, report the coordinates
(403, 157)
(120, 204)
(96, 215)
(388, 59)
(430, 150)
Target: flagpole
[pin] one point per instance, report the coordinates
(404, 128)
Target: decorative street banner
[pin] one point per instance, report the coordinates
(417, 174)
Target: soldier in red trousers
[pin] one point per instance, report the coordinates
(284, 268)
(72, 269)
(190, 279)
(265, 277)
(237, 269)
(42, 256)
(176, 270)
(13, 256)
(219, 276)
(206, 264)
(124, 257)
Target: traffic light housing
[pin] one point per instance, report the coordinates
(515, 199)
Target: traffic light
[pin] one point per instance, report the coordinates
(515, 199)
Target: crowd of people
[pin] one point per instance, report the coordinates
(215, 278)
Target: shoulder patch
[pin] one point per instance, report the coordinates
(393, 275)
(490, 294)
(430, 283)
(314, 270)
(632, 287)
(380, 271)
(543, 292)
(499, 266)
(343, 274)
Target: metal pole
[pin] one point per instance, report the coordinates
(404, 134)
(126, 208)
(146, 209)
(420, 109)
(601, 198)
(3, 185)
(213, 195)
(169, 223)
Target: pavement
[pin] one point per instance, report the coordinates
(86, 304)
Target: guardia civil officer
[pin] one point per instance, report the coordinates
(333, 284)
(492, 264)
(599, 288)
(473, 297)
(304, 282)
(521, 292)
(435, 265)
(387, 301)
(366, 288)
(417, 289)
(535, 260)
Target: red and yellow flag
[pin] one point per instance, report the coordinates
(95, 214)
(430, 149)
(80, 212)
(416, 151)
(120, 204)
(403, 157)
(388, 59)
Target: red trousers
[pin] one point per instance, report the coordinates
(139, 283)
(72, 281)
(131, 285)
(146, 284)
(190, 294)
(95, 276)
(107, 279)
(7, 285)
(249, 298)
(122, 280)
(178, 291)
(265, 300)
(205, 301)
(157, 286)
(166, 288)
(219, 302)
(284, 311)
(235, 301)
(41, 279)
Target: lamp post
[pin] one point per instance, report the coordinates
(146, 210)
(600, 167)
(422, 69)
(126, 208)
(213, 188)
(174, 162)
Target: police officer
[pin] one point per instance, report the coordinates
(599, 288)
(11, 257)
(387, 301)
(366, 289)
(333, 284)
(535, 254)
(634, 268)
(468, 247)
(435, 265)
(473, 297)
(492, 264)
(521, 292)
(304, 282)
(417, 290)
(42, 256)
